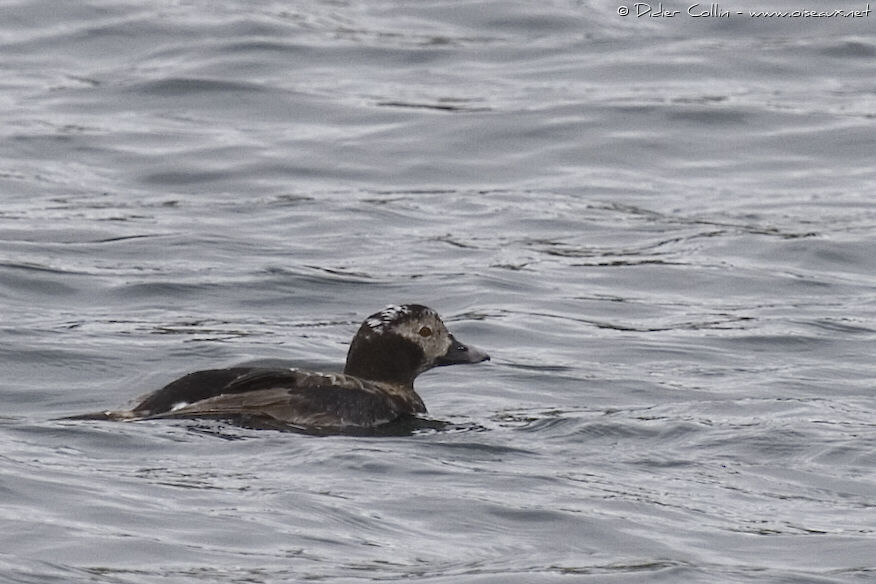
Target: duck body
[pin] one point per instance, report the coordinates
(290, 396)
(391, 348)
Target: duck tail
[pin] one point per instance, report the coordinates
(107, 415)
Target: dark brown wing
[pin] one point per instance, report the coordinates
(287, 396)
(189, 389)
(317, 407)
(304, 399)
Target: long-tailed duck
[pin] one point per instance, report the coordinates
(389, 350)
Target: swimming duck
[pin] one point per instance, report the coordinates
(390, 349)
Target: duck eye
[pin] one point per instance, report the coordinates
(425, 332)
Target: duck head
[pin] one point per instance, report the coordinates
(402, 341)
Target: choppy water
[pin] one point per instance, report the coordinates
(662, 229)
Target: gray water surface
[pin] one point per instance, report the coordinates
(661, 229)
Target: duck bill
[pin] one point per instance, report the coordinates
(460, 353)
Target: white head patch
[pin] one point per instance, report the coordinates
(379, 321)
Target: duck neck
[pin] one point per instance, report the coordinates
(392, 359)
